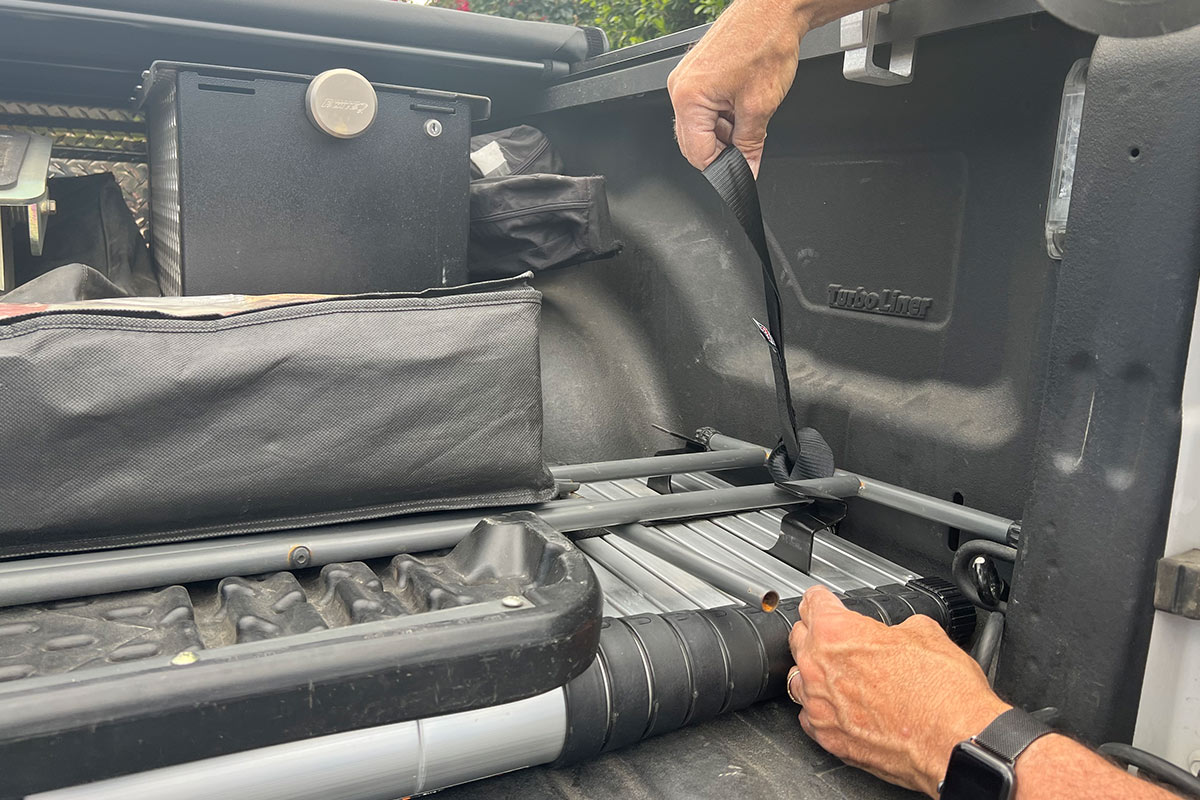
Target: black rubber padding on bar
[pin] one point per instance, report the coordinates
(920, 602)
(747, 661)
(772, 629)
(671, 685)
(706, 661)
(895, 610)
(587, 699)
(629, 682)
(864, 606)
(957, 614)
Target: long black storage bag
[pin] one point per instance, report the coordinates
(132, 420)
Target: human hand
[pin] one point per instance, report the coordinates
(727, 87)
(891, 700)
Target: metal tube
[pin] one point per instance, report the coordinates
(84, 574)
(719, 441)
(989, 526)
(380, 763)
(710, 461)
(725, 578)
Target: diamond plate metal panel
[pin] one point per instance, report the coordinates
(133, 178)
(92, 142)
(89, 140)
(62, 112)
(167, 245)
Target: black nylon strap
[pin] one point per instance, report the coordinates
(808, 455)
(1010, 733)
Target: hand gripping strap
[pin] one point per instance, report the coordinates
(807, 453)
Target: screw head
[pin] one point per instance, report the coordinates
(512, 601)
(299, 557)
(433, 127)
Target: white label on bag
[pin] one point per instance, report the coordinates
(489, 160)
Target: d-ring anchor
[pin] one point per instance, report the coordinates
(858, 39)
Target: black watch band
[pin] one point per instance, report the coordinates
(1010, 733)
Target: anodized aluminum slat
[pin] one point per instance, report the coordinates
(697, 533)
(620, 599)
(831, 549)
(701, 593)
(828, 567)
(828, 564)
(662, 596)
(789, 581)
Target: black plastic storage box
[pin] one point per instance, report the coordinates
(266, 182)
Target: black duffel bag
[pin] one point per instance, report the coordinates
(136, 420)
(525, 216)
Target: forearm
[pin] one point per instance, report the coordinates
(804, 15)
(816, 13)
(1055, 766)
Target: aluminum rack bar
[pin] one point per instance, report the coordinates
(989, 526)
(35, 580)
(662, 465)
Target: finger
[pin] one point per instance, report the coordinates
(797, 638)
(806, 724)
(724, 130)
(795, 685)
(816, 600)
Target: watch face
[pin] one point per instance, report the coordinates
(976, 774)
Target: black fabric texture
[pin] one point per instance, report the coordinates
(92, 226)
(523, 223)
(65, 284)
(525, 150)
(805, 452)
(120, 428)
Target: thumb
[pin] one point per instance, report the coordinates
(750, 133)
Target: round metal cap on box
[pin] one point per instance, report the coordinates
(341, 103)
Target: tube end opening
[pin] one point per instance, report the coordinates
(770, 601)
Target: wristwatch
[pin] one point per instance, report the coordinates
(983, 767)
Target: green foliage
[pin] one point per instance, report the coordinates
(626, 21)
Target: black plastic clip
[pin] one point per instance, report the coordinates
(797, 530)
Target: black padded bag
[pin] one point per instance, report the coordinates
(525, 214)
(92, 225)
(65, 284)
(522, 150)
(537, 222)
(134, 420)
